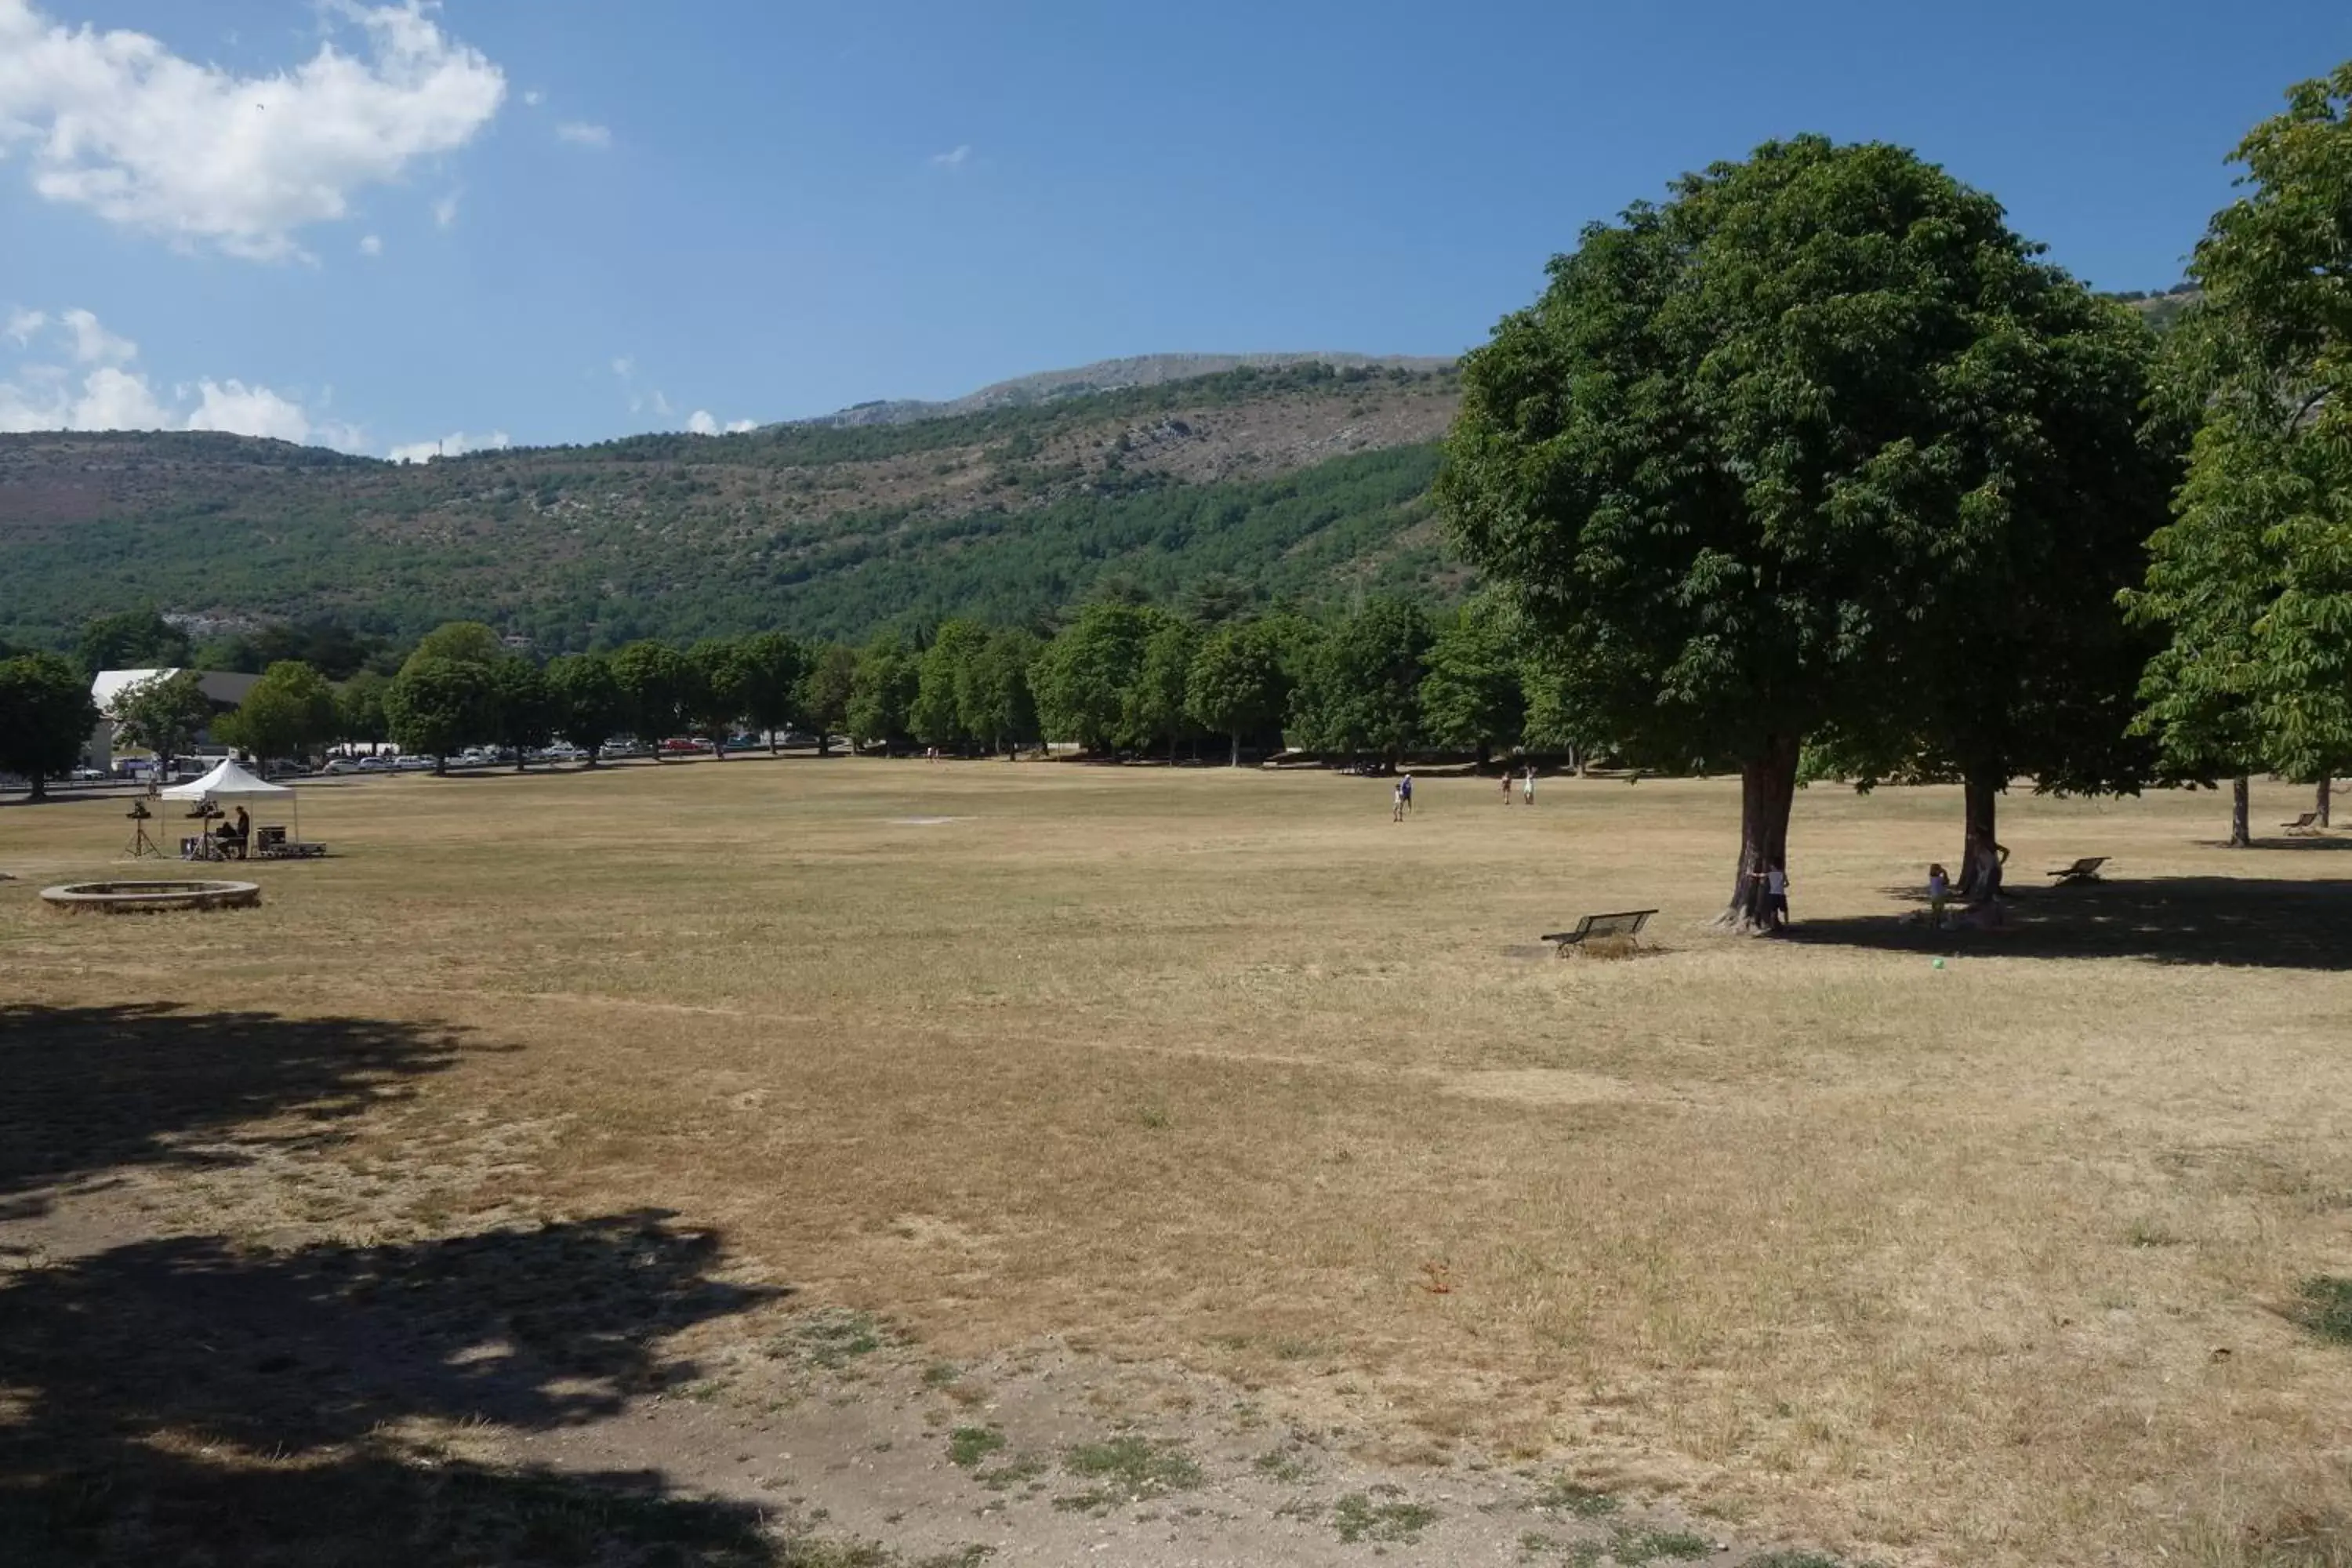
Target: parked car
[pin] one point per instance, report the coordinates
(412, 765)
(375, 765)
(89, 775)
(338, 766)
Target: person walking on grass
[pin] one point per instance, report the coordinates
(1531, 795)
(1404, 785)
(1939, 886)
(1507, 786)
(1396, 802)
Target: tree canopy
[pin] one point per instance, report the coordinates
(2251, 583)
(46, 716)
(1755, 457)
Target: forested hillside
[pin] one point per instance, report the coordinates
(1304, 482)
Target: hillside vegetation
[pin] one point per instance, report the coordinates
(1308, 482)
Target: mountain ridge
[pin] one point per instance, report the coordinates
(1104, 376)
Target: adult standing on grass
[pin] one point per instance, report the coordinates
(1404, 789)
(1530, 783)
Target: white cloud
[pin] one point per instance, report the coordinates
(625, 367)
(117, 123)
(700, 422)
(92, 343)
(534, 99)
(445, 211)
(454, 444)
(370, 245)
(105, 394)
(955, 160)
(737, 426)
(581, 133)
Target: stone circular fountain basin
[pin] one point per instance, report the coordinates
(148, 898)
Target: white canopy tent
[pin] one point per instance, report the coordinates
(231, 782)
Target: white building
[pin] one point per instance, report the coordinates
(226, 688)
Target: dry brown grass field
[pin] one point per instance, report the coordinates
(2004, 1261)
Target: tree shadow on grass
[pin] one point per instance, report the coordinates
(2259, 923)
(179, 1401)
(90, 1091)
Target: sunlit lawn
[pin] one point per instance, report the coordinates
(1992, 1262)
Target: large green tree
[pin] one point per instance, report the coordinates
(435, 706)
(2252, 581)
(524, 706)
(942, 674)
(290, 712)
(164, 713)
(589, 705)
(882, 693)
(358, 708)
(993, 697)
(1755, 457)
(722, 688)
(470, 642)
(773, 665)
(1237, 687)
(46, 717)
(1081, 679)
(658, 685)
(1154, 708)
(825, 693)
(1473, 699)
(1361, 689)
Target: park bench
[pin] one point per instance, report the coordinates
(2086, 869)
(2303, 826)
(1625, 923)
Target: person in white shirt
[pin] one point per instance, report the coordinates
(1775, 879)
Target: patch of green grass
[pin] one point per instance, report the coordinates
(1281, 1464)
(1154, 1116)
(1634, 1547)
(1013, 1473)
(2147, 1233)
(2326, 1307)
(1124, 1470)
(1358, 1518)
(967, 1446)
(1794, 1559)
(1575, 1500)
(940, 1373)
(831, 1338)
(962, 1557)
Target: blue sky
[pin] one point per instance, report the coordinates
(562, 220)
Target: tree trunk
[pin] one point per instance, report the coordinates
(40, 787)
(1486, 754)
(2241, 834)
(1236, 752)
(771, 744)
(2327, 791)
(1979, 813)
(1768, 788)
